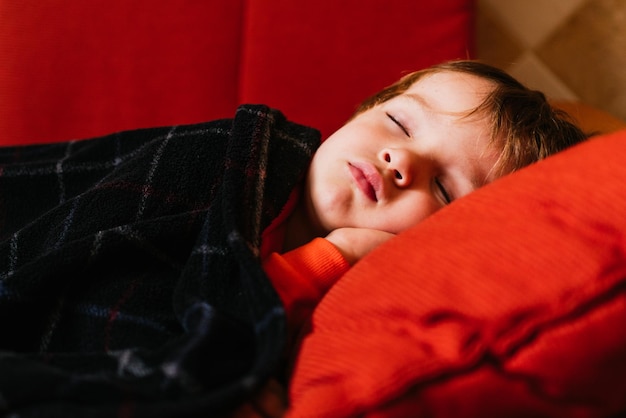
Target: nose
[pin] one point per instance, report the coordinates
(400, 163)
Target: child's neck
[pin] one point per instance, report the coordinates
(298, 229)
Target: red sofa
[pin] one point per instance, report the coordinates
(507, 303)
(77, 69)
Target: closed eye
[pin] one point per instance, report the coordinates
(444, 193)
(400, 125)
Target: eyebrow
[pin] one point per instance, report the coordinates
(419, 100)
(422, 102)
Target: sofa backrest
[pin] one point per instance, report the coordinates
(78, 69)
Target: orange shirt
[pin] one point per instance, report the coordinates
(301, 276)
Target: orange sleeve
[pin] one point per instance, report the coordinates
(302, 276)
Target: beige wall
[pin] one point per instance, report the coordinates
(570, 49)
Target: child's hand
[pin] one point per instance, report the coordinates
(355, 243)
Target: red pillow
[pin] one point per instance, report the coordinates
(509, 302)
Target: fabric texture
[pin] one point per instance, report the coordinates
(509, 302)
(303, 276)
(130, 278)
(316, 60)
(88, 68)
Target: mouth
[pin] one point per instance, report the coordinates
(367, 179)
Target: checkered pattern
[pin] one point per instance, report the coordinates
(129, 276)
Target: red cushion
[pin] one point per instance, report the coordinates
(316, 60)
(509, 302)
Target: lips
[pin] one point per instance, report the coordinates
(367, 179)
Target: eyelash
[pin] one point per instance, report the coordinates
(444, 192)
(400, 125)
(446, 196)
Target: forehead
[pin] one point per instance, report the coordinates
(450, 91)
(447, 99)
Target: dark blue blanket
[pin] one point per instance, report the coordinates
(130, 283)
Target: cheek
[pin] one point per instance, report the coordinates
(328, 201)
(409, 214)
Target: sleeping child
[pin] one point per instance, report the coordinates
(167, 271)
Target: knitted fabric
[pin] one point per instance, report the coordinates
(130, 281)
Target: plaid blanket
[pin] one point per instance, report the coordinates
(130, 281)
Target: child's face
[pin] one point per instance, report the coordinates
(400, 161)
